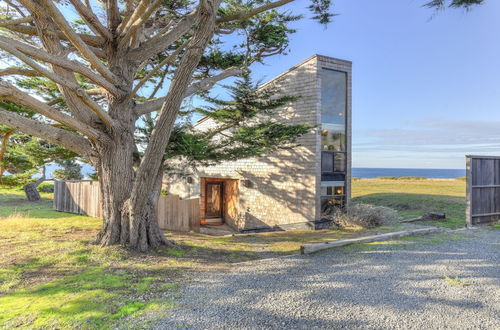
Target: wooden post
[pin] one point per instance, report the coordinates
(468, 191)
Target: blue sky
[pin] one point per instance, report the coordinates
(426, 88)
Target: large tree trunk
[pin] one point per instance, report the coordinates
(3, 152)
(125, 222)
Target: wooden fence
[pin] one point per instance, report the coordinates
(83, 197)
(483, 189)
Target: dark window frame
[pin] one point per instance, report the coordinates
(334, 172)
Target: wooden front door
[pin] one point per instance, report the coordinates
(214, 200)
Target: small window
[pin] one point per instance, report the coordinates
(326, 162)
(339, 162)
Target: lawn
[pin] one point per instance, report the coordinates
(52, 276)
(413, 198)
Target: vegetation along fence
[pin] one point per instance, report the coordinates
(84, 197)
(483, 189)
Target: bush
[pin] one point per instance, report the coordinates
(402, 178)
(46, 187)
(364, 215)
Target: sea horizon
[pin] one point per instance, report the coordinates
(357, 172)
(429, 173)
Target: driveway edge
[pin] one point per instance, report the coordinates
(311, 248)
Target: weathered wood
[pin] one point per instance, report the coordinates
(483, 189)
(84, 197)
(311, 248)
(427, 216)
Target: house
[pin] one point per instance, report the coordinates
(290, 188)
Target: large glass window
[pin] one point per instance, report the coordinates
(333, 138)
(333, 97)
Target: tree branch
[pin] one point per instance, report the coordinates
(132, 28)
(113, 13)
(209, 82)
(22, 72)
(62, 62)
(80, 92)
(77, 41)
(127, 22)
(91, 19)
(5, 23)
(90, 40)
(11, 93)
(10, 3)
(247, 14)
(167, 59)
(201, 85)
(68, 140)
(156, 45)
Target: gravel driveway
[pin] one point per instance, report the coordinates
(391, 285)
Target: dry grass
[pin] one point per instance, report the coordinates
(365, 216)
(414, 198)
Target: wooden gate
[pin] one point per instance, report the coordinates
(483, 189)
(84, 197)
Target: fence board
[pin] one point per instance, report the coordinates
(483, 189)
(84, 197)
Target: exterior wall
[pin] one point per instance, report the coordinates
(283, 187)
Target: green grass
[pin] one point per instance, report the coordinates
(52, 276)
(413, 198)
(456, 281)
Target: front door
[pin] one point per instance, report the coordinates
(214, 200)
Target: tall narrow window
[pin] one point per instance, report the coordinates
(333, 138)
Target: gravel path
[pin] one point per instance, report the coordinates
(397, 286)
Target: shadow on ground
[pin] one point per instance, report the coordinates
(384, 285)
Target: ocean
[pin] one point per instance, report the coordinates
(430, 173)
(357, 172)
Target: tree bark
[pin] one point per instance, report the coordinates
(30, 190)
(125, 222)
(3, 151)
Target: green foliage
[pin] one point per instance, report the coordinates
(320, 9)
(93, 176)
(26, 156)
(441, 4)
(46, 187)
(402, 178)
(71, 170)
(236, 133)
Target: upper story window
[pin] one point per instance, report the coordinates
(333, 110)
(333, 98)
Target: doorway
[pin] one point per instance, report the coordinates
(214, 201)
(219, 201)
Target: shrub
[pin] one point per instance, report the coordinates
(364, 215)
(412, 178)
(402, 178)
(46, 187)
